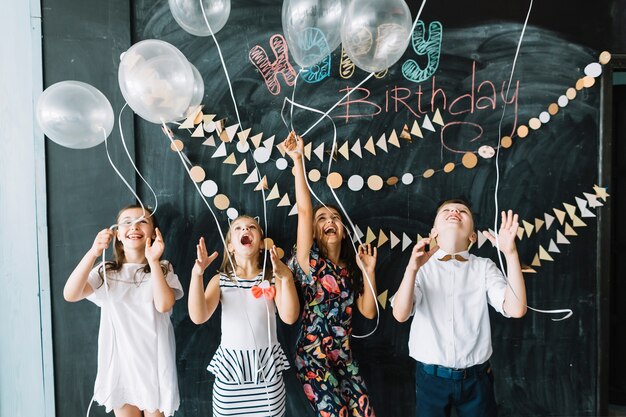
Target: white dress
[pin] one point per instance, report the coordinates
(249, 362)
(136, 345)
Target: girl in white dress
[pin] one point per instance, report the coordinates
(249, 362)
(136, 292)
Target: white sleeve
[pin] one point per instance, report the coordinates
(417, 294)
(97, 285)
(495, 284)
(172, 280)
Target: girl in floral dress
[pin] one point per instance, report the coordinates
(325, 266)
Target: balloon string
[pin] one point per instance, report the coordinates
(232, 95)
(345, 213)
(568, 312)
(119, 124)
(361, 83)
(195, 184)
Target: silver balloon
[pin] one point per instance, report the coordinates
(74, 114)
(156, 80)
(375, 33)
(188, 14)
(312, 28)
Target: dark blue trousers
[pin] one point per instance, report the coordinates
(470, 391)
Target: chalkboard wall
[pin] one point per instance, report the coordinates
(542, 367)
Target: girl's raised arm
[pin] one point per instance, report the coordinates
(162, 293)
(286, 296)
(294, 146)
(203, 302)
(76, 288)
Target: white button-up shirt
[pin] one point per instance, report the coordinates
(451, 320)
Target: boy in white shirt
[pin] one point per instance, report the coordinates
(448, 295)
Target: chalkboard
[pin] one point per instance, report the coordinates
(541, 367)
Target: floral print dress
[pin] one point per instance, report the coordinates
(325, 367)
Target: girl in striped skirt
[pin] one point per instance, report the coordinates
(249, 362)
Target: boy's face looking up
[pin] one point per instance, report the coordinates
(453, 222)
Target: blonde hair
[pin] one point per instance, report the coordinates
(229, 262)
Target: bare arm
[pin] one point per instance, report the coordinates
(403, 299)
(366, 260)
(295, 148)
(286, 296)
(77, 288)
(203, 302)
(162, 293)
(515, 295)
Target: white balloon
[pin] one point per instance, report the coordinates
(375, 33)
(188, 15)
(74, 114)
(312, 28)
(157, 81)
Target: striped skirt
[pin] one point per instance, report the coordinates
(249, 399)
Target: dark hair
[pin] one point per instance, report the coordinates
(346, 252)
(118, 251)
(227, 267)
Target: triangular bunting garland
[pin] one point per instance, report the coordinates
(220, 151)
(528, 228)
(427, 124)
(253, 177)
(319, 152)
(393, 139)
(307, 150)
(345, 151)
(241, 169)
(549, 219)
(560, 214)
(536, 261)
(262, 185)
(560, 239)
(210, 142)
(393, 240)
(569, 231)
(382, 298)
(382, 238)
(416, 131)
(256, 139)
(406, 241)
(553, 247)
(437, 118)
(369, 236)
(231, 160)
(198, 133)
(538, 224)
(356, 148)
(543, 255)
(369, 146)
(570, 209)
(382, 143)
(274, 194)
(284, 202)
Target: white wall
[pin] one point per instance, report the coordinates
(26, 373)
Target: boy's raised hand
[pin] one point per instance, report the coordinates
(101, 242)
(278, 266)
(294, 146)
(155, 249)
(203, 259)
(367, 255)
(507, 234)
(419, 255)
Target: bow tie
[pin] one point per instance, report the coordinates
(264, 289)
(457, 257)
